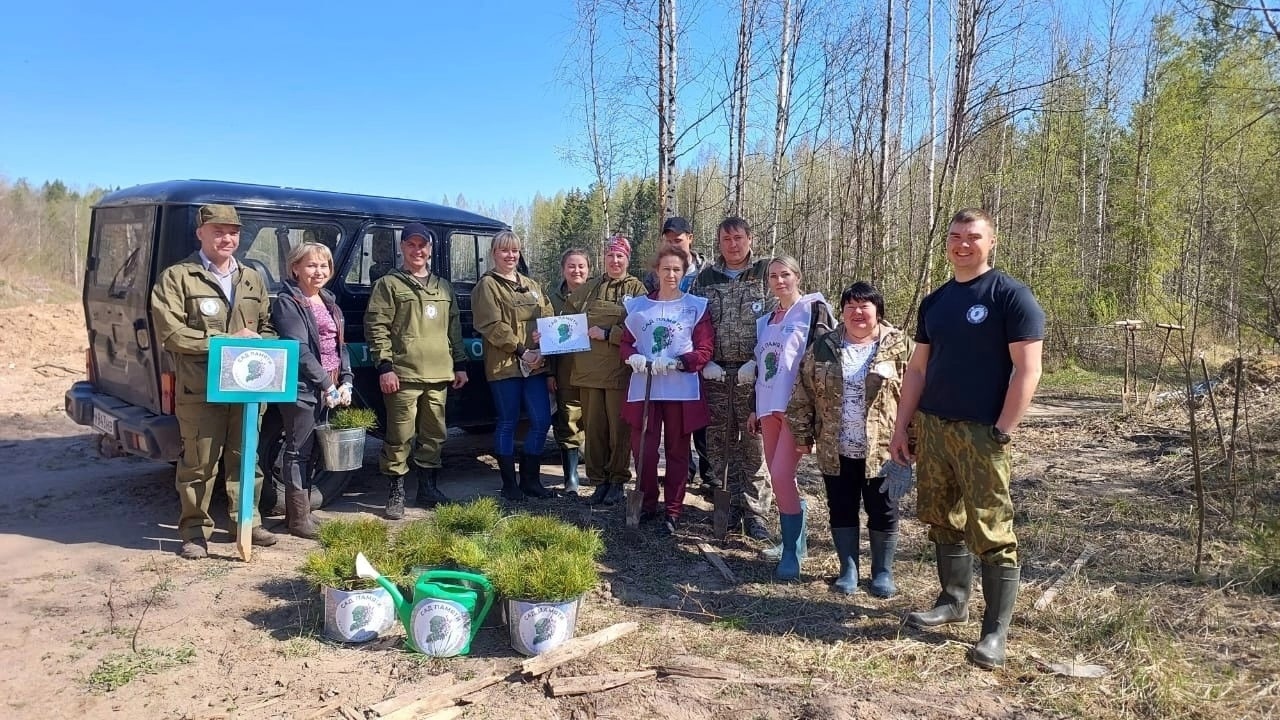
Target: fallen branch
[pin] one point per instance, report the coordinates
(323, 710)
(703, 669)
(1052, 592)
(576, 648)
(583, 684)
(714, 557)
(421, 701)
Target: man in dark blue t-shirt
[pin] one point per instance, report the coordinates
(976, 365)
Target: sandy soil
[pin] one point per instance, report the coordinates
(89, 578)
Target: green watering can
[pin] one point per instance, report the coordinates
(442, 619)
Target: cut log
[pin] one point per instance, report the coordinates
(1052, 592)
(576, 648)
(430, 699)
(714, 558)
(583, 684)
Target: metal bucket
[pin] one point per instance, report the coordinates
(341, 450)
(356, 616)
(536, 627)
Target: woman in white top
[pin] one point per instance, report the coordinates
(781, 339)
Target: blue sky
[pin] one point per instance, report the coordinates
(413, 99)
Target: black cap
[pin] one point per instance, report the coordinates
(677, 225)
(413, 229)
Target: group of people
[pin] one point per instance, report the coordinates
(728, 364)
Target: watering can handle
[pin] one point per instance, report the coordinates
(482, 581)
(434, 575)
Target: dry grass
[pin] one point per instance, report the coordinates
(1175, 644)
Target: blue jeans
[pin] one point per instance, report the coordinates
(508, 395)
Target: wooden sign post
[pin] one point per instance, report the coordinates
(251, 371)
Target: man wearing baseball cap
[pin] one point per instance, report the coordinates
(420, 309)
(206, 295)
(677, 231)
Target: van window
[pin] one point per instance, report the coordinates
(377, 254)
(467, 255)
(265, 243)
(122, 248)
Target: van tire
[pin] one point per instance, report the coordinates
(326, 486)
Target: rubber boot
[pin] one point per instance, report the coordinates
(792, 529)
(955, 575)
(570, 459)
(600, 493)
(429, 494)
(297, 500)
(530, 482)
(846, 540)
(510, 487)
(883, 545)
(395, 498)
(999, 590)
(297, 512)
(614, 494)
(802, 548)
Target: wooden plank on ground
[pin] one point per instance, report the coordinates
(1052, 592)
(584, 684)
(576, 648)
(700, 668)
(714, 558)
(430, 699)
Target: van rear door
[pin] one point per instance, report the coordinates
(116, 302)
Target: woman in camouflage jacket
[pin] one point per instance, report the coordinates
(846, 400)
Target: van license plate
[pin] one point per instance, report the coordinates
(104, 422)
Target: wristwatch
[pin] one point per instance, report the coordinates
(1001, 437)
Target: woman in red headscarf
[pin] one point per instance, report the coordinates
(601, 376)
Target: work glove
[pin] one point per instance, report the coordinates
(344, 394)
(332, 398)
(664, 365)
(713, 372)
(898, 480)
(747, 373)
(638, 363)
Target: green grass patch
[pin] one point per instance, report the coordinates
(1075, 380)
(119, 669)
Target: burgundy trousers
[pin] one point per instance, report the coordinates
(665, 421)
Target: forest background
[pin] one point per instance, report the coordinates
(1130, 153)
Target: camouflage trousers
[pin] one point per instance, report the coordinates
(728, 442)
(963, 492)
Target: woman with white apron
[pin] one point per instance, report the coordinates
(781, 339)
(666, 340)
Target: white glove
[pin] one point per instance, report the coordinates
(747, 373)
(344, 394)
(638, 363)
(332, 398)
(713, 372)
(898, 480)
(664, 365)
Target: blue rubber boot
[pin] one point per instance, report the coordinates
(883, 545)
(792, 529)
(846, 541)
(802, 549)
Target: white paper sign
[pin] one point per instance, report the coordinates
(563, 334)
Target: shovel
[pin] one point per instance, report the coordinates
(721, 499)
(635, 496)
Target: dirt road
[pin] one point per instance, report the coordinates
(102, 620)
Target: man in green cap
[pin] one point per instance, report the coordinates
(414, 332)
(206, 295)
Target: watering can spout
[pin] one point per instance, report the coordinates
(366, 570)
